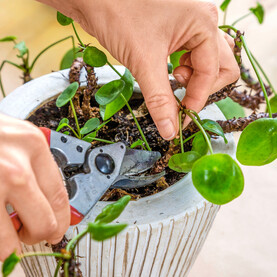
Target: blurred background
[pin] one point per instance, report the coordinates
(243, 239)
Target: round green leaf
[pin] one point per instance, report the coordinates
(213, 127)
(218, 178)
(225, 5)
(258, 11)
(258, 142)
(230, 109)
(68, 57)
(94, 57)
(9, 264)
(63, 20)
(107, 93)
(90, 137)
(67, 94)
(100, 232)
(8, 38)
(273, 104)
(90, 125)
(199, 144)
(183, 162)
(22, 48)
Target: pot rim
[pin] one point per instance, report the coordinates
(168, 204)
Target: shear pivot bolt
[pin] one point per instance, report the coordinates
(104, 163)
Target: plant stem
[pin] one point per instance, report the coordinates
(136, 121)
(65, 268)
(75, 31)
(114, 69)
(60, 262)
(76, 118)
(190, 137)
(201, 129)
(57, 255)
(265, 75)
(241, 18)
(225, 16)
(103, 140)
(181, 131)
(75, 240)
(73, 131)
(253, 65)
(48, 47)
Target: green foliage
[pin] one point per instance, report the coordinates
(113, 211)
(109, 92)
(22, 48)
(63, 123)
(94, 57)
(9, 264)
(183, 162)
(137, 143)
(199, 144)
(225, 5)
(230, 109)
(169, 68)
(90, 137)
(258, 143)
(90, 126)
(100, 232)
(68, 57)
(213, 127)
(64, 20)
(258, 11)
(8, 38)
(116, 105)
(67, 94)
(218, 178)
(273, 104)
(175, 57)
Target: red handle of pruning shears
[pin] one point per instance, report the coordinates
(76, 217)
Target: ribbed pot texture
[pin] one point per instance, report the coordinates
(166, 230)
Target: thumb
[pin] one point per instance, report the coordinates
(160, 101)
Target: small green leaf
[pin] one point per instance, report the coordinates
(68, 57)
(258, 142)
(183, 162)
(213, 127)
(113, 211)
(8, 38)
(218, 178)
(66, 133)
(116, 105)
(94, 57)
(175, 57)
(9, 264)
(63, 125)
(67, 94)
(273, 104)
(169, 68)
(230, 109)
(225, 5)
(100, 232)
(109, 92)
(90, 125)
(63, 122)
(199, 144)
(21, 46)
(137, 143)
(90, 137)
(258, 11)
(63, 20)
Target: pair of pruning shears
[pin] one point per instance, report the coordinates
(113, 165)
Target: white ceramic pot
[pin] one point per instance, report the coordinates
(166, 230)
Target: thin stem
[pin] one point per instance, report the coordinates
(76, 118)
(65, 269)
(190, 137)
(181, 131)
(75, 240)
(75, 31)
(225, 16)
(60, 262)
(103, 140)
(48, 47)
(114, 69)
(201, 129)
(57, 255)
(264, 74)
(73, 131)
(136, 121)
(253, 65)
(241, 18)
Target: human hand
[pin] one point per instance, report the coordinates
(31, 182)
(141, 34)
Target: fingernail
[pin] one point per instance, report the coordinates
(180, 78)
(166, 129)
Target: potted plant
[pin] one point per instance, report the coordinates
(166, 229)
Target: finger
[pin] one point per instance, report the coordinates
(229, 39)
(32, 207)
(9, 241)
(183, 74)
(185, 59)
(51, 184)
(205, 62)
(159, 97)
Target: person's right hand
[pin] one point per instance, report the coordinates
(31, 182)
